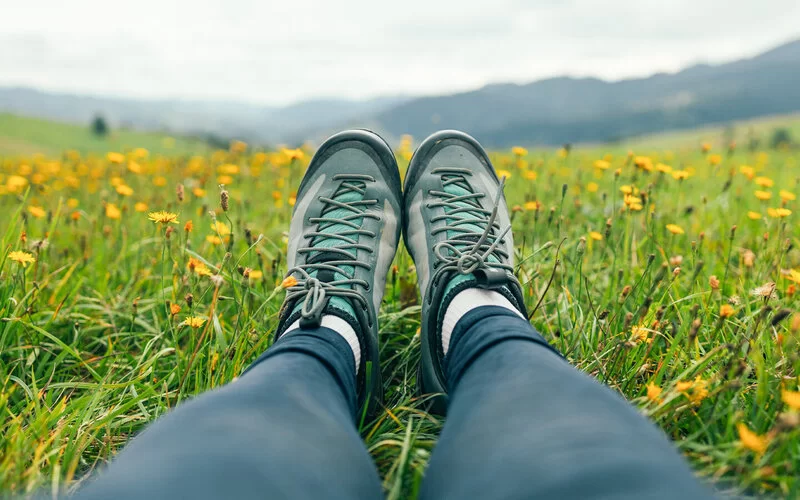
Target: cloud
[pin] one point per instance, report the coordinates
(278, 52)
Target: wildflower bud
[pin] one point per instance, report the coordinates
(189, 299)
(780, 316)
(713, 282)
(168, 232)
(248, 236)
(179, 192)
(694, 329)
(676, 271)
(795, 324)
(628, 321)
(563, 190)
(581, 248)
(223, 200)
(733, 231)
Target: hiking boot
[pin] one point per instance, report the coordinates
(342, 240)
(457, 228)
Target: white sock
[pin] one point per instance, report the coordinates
(341, 327)
(467, 300)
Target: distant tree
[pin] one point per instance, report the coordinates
(99, 126)
(781, 137)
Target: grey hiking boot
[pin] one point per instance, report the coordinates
(457, 228)
(343, 236)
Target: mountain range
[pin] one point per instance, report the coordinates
(551, 111)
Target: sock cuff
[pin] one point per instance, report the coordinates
(343, 328)
(479, 330)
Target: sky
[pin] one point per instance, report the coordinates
(278, 52)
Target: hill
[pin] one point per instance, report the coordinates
(561, 110)
(26, 136)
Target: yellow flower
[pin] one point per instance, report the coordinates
(714, 159)
(37, 212)
(519, 151)
(134, 167)
(747, 171)
(116, 158)
(680, 174)
(140, 207)
(787, 195)
(792, 399)
(675, 229)
(289, 282)
(764, 182)
(653, 392)
(793, 275)
(696, 390)
(73, 203)
(754, 215)
(198, 267)
(643, 162)
(194, 321)
(124, 190)
(763, 195)
(162, 217)
(595, 236)
(726, 311)
(113, 211)
(626, 189)
(226, 180)
(174, 309)
(640, 334)
(220, 228)
(592, 187)
(779, 213)
(504, 173)
(531, 205)
(160, 181)
(293, 154)
(199, 192)
(666, 169)
(752, 441)
(602, 164)
(705, 147)
(228, 168)
(530, 175)
(255, 275)
(214, 239)
(22, 258)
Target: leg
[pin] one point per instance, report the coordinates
(523, 423)
(283, 430)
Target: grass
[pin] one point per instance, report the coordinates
(21, 136)
(684, 322)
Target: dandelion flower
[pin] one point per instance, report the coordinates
(198, 267)
(289, 282)
(220, 228)
(714, 159)
(592, 187)
(116, 158)
(792, 399)
(787, 195)
(763, 195)
(194, 321)
(750, 440)
(113, 211)
(140, 207)
(531, 205)
(255, 275)
(680, 175)
(124, 190)
(214, 239)
(504, 173)
(754, 215)
(519, 151)
(726, 311)
(174, 309)
(602, 165)
(653, 392)
(666, 169)
(22, 258)
(675, 229)
(779, 213)
(747, 171)
(162, 217)
(595, 236)
(764, 182)
(37, 212)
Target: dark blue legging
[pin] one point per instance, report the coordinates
(522, 423)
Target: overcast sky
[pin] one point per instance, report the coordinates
(276, 52)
